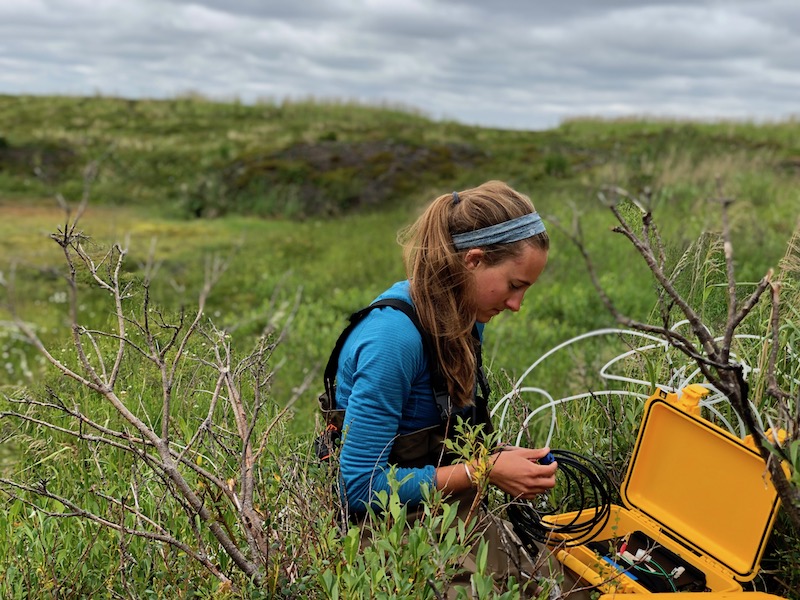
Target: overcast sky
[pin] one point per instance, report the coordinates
(500, 63)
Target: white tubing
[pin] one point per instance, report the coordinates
(554, 403)
(503, 402)
(676, 383)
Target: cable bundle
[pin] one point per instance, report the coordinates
(588, 489)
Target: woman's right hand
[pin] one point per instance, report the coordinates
(518, 473)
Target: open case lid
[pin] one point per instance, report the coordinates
(701, 484)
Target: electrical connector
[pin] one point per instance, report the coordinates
(677, 572)
(624, 545)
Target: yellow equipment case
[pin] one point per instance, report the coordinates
(699, 506)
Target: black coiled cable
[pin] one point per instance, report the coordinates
(585, 489)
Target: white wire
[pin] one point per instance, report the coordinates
(716, 413)
(552, 414)
(583, 336)
(757, 414)
(772, 427)
(554, 403)
(605, 375)
(679, 374)
(503, 402)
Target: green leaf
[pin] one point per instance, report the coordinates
(352, 543)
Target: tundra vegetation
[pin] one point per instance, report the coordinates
(175, 272)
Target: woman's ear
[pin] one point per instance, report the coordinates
(473, 258)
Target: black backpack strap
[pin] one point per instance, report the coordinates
(438, 382)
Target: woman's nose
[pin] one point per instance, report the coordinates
(514, 302)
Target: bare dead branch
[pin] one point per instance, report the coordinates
(296, 394)
(576, 237)
(714, 360)
(737, 316)
(699, 330)
(112, 286)
(164, 344)
(772, 381)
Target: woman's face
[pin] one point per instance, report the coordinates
(503, 285)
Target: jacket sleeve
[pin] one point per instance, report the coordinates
(380, 362)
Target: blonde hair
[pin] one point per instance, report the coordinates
(442, 286)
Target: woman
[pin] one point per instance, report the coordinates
(470, 256)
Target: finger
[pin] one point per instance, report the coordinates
(537, 471)
(540, 488)
(537, 454)
(542, 452)
(532, 454)
(542, 484)
(548, 470)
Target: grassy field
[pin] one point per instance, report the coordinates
(305, 200)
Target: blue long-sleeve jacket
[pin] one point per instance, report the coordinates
(383, 384)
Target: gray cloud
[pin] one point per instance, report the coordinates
(509, 63)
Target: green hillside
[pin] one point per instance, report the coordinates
(201, 158)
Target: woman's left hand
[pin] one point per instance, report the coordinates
(518, 473)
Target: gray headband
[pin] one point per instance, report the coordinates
(506, 232)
